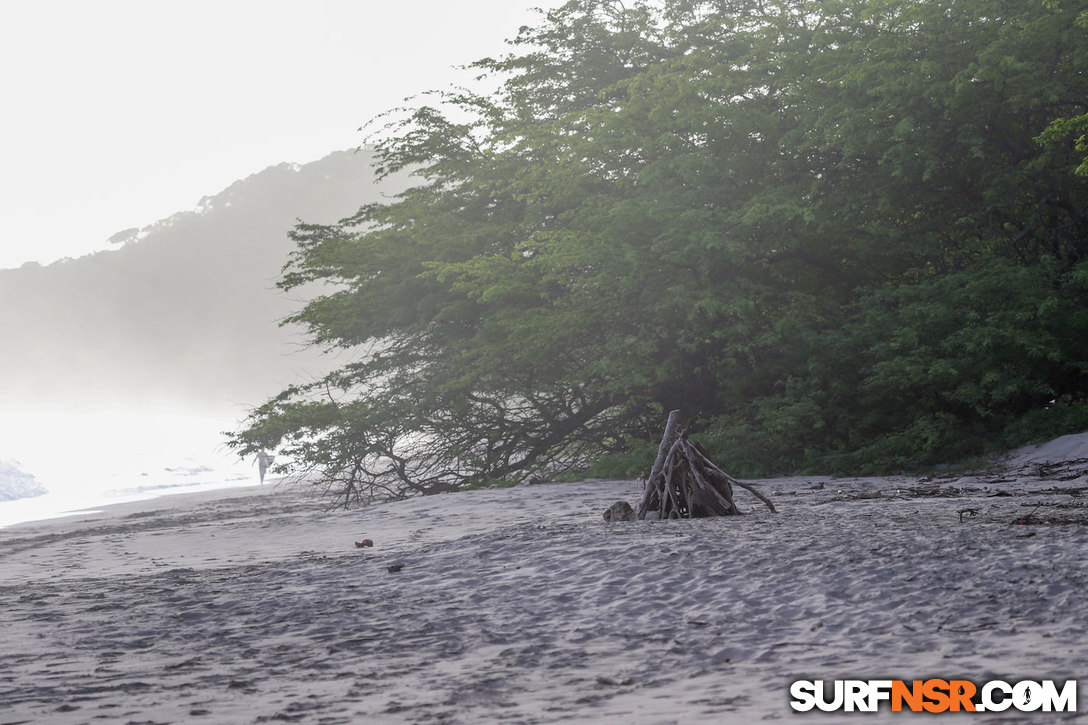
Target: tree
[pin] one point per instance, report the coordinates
(696, 205)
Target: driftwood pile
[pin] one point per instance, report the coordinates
(685, 484)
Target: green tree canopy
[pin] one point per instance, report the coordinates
(841, 230)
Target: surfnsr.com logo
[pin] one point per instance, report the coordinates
(933, 695)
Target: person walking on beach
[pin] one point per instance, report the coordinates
(264, 458)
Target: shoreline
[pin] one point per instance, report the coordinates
(1071, 448)
(49, 507)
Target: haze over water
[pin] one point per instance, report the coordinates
(88, 459)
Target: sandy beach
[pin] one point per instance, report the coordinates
(523, 605)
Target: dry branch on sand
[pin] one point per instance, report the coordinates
(684, 483)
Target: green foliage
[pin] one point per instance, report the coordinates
(849, 233)
(927, 371)
(1062, 130)
(633, 462)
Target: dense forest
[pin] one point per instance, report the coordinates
(850, 234)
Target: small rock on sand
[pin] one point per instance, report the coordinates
(619, 511)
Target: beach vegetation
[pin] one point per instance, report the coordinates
(851, 233)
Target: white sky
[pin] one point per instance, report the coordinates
(118, 113)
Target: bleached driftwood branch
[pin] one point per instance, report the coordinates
(685, 483)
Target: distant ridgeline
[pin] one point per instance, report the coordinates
(186, 309)
(15, 484)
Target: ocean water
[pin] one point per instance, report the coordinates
(88, 459)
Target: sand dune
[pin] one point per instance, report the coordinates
(523, 606)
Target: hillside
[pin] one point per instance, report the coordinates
(185, 310)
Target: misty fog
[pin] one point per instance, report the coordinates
(121, 369)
